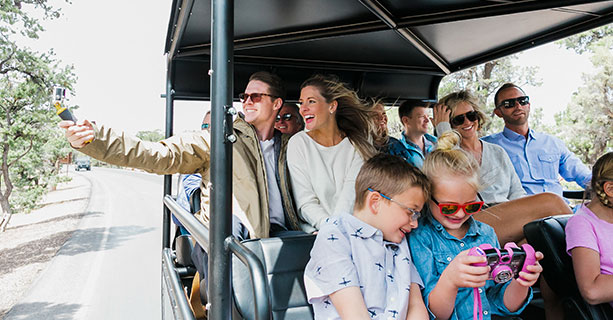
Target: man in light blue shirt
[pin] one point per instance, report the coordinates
(538, 158)
(416, 143)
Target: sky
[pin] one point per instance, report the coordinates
(117, 49)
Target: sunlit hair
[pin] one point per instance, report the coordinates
(276, 87)
(452, 101)
(381, 138)
(390, 175)
(601, 173)
(505, 87)
(450, 159)
(353, 117)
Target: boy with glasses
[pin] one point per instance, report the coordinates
(538, 158)
(360, 266)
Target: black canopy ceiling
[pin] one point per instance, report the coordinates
(392, 48)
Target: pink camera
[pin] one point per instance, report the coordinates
(505, 263)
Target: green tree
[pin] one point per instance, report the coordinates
(483, 81)
(590, 114)
(30, 142)
(153, 135)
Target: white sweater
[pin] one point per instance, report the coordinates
(323, 178)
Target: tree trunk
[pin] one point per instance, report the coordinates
(7, 213)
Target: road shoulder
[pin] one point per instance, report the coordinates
(32, 240)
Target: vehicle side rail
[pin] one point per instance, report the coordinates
(170, 273)
(575, 194)
(258, 277)
(198, 230)
(180, 306)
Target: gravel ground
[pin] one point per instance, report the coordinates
(32, 240)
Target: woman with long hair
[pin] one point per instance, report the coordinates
(325, 159)
(508, 206)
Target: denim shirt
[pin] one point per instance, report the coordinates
(539, 159)
(189, 184)
(411, 152)
(349, 252)
(433, 248)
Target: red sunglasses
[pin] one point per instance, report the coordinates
(449, 209)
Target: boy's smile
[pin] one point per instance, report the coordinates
(392, 219)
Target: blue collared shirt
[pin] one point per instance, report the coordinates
(539, 159)
(189, 184)
(349, 252)
(411, 152)
(433, 248)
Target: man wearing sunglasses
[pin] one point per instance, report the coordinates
(288, 120)
(538, 158)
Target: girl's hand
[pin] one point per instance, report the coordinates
(441, 113)
(462, 273)
(527, 279)
(78, 134)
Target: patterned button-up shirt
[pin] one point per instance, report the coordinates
(434, 248)
(349, 252)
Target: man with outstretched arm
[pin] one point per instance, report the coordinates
(262, 201)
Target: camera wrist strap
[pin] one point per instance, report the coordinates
(477, 308)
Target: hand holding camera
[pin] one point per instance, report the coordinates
(511, 262)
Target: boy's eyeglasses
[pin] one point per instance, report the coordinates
(510, 103)
(449, 209)
(205, 126)
(459, 119)
(414, 214)
(255, 97)
(285, 117)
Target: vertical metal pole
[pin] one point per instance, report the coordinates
(168, 178)
(222, 56)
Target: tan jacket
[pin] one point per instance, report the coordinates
(190, 153)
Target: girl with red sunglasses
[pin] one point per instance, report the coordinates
(441, 243)
(507, 208)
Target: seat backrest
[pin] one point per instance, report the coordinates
(284, 260)
(547, 235)
(194, 201)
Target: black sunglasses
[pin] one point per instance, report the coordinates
(255, 97)
(285, 117)
(510, 103)
(459, 119)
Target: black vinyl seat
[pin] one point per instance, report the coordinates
(547, 235)
(284, 260)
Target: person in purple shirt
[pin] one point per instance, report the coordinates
(589, 237)
(538, 158)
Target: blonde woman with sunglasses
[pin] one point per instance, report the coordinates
(508, 208)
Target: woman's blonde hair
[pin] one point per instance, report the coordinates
(353, 117)
(601, 173)
(449, 158)
(453, 99)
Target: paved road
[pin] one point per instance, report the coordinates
(110, 268)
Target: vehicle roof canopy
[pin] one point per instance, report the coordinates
(389, 48)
